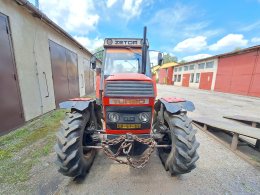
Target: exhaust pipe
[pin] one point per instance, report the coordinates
(144, 52)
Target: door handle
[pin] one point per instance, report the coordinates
(46, 84)
(82, 86)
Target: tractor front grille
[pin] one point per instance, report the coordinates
(129, 89)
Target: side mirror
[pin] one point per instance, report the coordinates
(93, 62)
(160, 59)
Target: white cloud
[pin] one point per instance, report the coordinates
(255, 39)
(153, 57)
(229, 42)
(196, 57)
(79, 16)
(191, 44)
(132, 8)
(110, 3)
(90, 44)
(250, 27)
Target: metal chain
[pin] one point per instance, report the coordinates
(135, 163)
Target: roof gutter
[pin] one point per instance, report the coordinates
(37, 13)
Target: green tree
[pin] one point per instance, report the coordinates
(182, 61)
(98, 52)
(237, 48)
(169, 58)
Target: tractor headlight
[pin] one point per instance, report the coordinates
(144, 117)
(113, 117)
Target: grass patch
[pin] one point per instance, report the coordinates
(19, 150)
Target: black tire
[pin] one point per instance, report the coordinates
(72, 160)
(181, 157)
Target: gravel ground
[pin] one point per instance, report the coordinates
(219, 171)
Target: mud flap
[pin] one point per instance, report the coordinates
(174, 105)
(79, 104)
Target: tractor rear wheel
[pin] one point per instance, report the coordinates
(181, 157)
(73, 135)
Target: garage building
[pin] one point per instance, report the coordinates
(235, 72)
(40, 65)
(166, 73)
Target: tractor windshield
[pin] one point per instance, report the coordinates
(122, 62)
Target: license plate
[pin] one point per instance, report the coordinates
(128, 126)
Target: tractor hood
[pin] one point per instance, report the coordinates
(128, 77)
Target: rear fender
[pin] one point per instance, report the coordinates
(79, 104)
(174, 105)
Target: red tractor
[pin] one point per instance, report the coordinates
(125, 120)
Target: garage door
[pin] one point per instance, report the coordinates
(89, 77)
(186, 80)
(206, 80)
(239, 74)
(11, 115)
(64, 72)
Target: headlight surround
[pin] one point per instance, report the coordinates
(144, 117)
(113, 117)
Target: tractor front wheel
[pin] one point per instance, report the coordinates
(73, 135)
(181, 157)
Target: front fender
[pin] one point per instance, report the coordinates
(174, 107)
(77, 104)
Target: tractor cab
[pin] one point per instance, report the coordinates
(124, 56)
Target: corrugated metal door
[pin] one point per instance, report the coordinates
(169, 75)
(206, 80)
(186, 80)
(254, 89)
(162, 76)
(59, 72)
(64, 72)
(11, 112)
(238, 74)
(91, 81)
(224, 74)
(86, 76)
(72, 68)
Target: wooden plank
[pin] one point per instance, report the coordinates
(229, 126)
(244, 118)
(234, 141)
(239, 153)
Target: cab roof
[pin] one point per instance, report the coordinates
(123, 42)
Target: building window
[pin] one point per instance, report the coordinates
(191, 77)
(179, 78)
(210, 64)
(175, 78)
(176, 69)
(180, 69)
(197, 78)
(201, 66)
(186, 68)
(192, 67)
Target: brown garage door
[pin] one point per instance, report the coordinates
(64, 72)
(11, 113)
(89, 77)
(73, 79)
(86, 76)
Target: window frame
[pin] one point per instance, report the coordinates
(200, 65)
(197, 79)
(192, 65)
(192, 78)
(208, 63)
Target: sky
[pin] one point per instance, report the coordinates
(186, 29)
